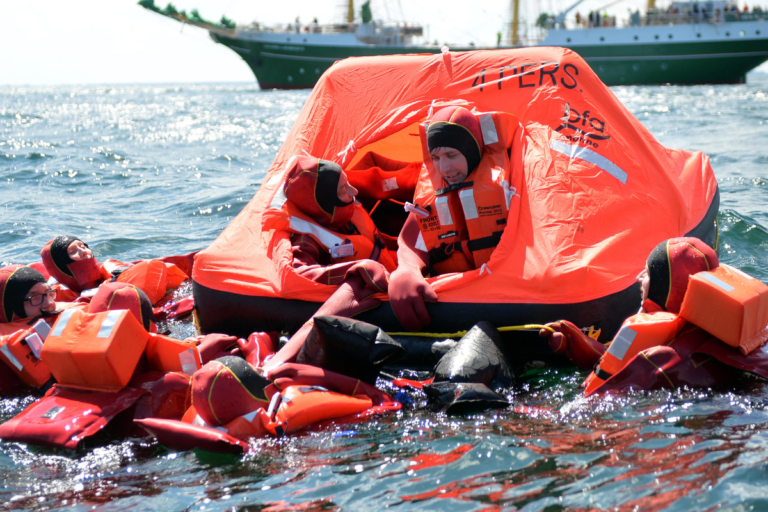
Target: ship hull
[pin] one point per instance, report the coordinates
(287, 65)
(678, 54)
(705, 53)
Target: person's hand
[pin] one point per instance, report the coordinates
(372, 273)
(407, 292)
(579, 348)
(213, 346)
(557, 340)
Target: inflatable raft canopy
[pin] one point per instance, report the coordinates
(598, 193)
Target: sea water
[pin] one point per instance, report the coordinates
(143, 171)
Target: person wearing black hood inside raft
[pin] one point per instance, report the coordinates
(333, 242)
(462, 205)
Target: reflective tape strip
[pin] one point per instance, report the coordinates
(389, 184)
(109, 323)
(420, 245)
(489, 129)
(622, 342)
(714, 280)
(325, 237)
(11, 358)
(507, 192)
(467, 197)
(273, 405)
(188, 362)
(279, 200)
(575, 151)
(62, 322)
(443, 211)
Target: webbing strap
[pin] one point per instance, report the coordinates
(455, 186)
(486, 242)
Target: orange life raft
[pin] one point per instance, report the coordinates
(598, 193)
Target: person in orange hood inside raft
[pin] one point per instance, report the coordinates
(333, 241)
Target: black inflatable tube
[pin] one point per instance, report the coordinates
(240, 315)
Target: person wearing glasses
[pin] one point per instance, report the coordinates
(25, 294)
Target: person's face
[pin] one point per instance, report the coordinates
(451, 164)
(644, 278)
(38, 291)
(78, 251)
(345, 190)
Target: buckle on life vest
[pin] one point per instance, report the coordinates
(455, 186)
(602, 374)
(309, 389)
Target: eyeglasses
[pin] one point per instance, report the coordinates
(36, 300)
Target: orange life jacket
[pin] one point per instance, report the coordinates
(166, 354)
(729, 304)
(153, 277)
(283, 215)
(20, 349)
(301, 406)
(475, 210)
(289, 411)
(22, 356)
(637, 333)
(95, 351)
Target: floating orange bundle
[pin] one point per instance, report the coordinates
(95, 351)
(729, 304)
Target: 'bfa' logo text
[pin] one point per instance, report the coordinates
(587, 127)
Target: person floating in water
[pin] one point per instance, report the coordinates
(657, 347)
(25, 294)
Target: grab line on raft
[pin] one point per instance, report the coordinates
(459, 334)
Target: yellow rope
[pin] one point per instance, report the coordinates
(524, 327)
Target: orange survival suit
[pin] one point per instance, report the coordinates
(333, 241)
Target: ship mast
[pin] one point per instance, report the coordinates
(351, 11)
(516, 21)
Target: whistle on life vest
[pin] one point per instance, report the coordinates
(416, 210)
(343, 250)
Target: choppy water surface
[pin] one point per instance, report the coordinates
(142, 171)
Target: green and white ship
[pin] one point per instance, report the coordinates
(691, 42)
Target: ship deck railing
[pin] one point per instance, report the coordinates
(665, 19)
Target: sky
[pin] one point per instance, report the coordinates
(48, 42)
